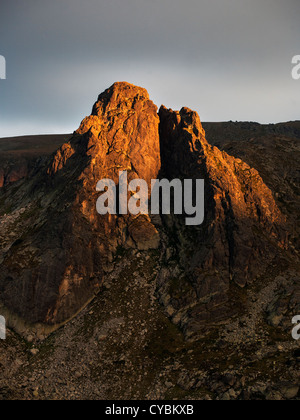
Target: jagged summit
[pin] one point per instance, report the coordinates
(119, 97)
(120, 92)
(188, 123)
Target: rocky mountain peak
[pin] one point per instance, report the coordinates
(120, 134)
(120, 93)
(119, 98)
(241, 219)
(60, 256)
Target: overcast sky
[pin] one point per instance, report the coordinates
(227, 59)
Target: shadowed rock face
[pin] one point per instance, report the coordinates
(57, 249)
(242, 233)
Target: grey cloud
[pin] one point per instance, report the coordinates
(228, 59)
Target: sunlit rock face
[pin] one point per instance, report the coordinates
(57, 251)
(56, 261)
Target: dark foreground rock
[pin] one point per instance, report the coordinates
(122, 346)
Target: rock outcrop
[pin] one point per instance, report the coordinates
(55, 262)
(11, 174)
(242, 234)
(58, 250)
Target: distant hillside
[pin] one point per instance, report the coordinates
(18, 154)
